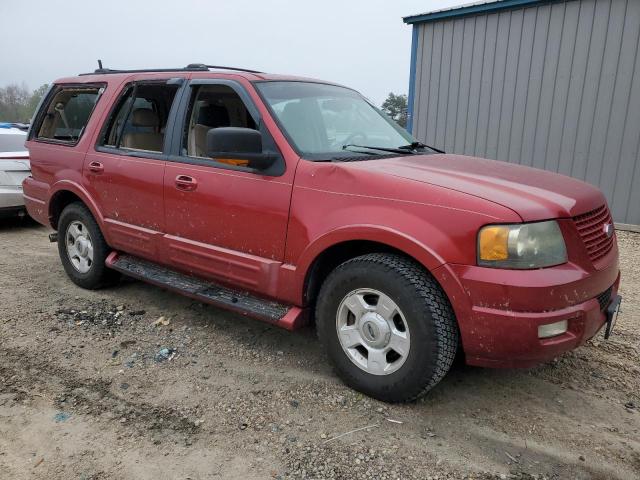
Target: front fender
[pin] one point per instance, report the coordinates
(372, 233)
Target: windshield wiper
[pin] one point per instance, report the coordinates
(416, 145)
(382, 149)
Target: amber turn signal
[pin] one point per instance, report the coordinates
(234, 162)
(493, 243)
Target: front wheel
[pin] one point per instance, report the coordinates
(83, 249)
(388, 327)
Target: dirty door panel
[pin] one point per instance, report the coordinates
(125, 172)
(224, 222)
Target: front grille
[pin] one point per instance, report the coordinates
(604, 298)
(590, 226)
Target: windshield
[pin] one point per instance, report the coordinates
(323, 120)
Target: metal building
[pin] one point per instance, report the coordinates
(553, 84)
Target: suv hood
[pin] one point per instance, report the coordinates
(532, 193)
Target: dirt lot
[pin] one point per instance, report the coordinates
(87, 392)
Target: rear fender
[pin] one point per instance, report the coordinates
(82, 194)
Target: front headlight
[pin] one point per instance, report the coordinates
(521, 246)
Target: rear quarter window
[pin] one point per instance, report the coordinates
(64, 117)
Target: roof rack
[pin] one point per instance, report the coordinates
(192, 67)
(219, 67)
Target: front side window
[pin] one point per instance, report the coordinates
(140, 118)
(323, 119)
(213, 106)
(67, 114)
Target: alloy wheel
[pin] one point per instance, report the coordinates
(373, 331)
(79, 246)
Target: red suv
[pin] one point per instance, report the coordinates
(290, 199)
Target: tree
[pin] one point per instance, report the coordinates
(17, 104)
(396, 107)
(36, 96)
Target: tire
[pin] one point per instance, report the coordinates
(87, 273)
(427, 345)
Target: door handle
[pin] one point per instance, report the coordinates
(96, 167)
(185, 182)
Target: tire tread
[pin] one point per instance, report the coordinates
(433, 297)
(102, 276)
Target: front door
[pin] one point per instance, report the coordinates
(125, 172)
(224, 220)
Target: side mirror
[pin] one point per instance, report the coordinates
(236, 143)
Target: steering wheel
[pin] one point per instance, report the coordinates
(358, 138)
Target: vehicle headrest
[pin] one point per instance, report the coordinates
(294, 111)
(144, 117)
(213, 116)
(296, 114)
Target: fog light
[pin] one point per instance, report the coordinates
(552, 329)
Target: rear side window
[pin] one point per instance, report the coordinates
(139, 119)
(66, 115)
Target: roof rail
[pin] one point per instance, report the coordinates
(220, 67)
(192, 67)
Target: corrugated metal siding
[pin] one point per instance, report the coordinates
(554, 86)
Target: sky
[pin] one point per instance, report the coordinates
(363, 44)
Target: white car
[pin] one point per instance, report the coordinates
(14, 168)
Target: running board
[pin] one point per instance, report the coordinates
(285, 316)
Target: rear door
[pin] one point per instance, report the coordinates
(125, 171)
(224, 220)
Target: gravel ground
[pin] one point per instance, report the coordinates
(96, 385)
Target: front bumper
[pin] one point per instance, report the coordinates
(499, 311)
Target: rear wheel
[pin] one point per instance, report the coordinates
(388, 327)
(82, 248)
